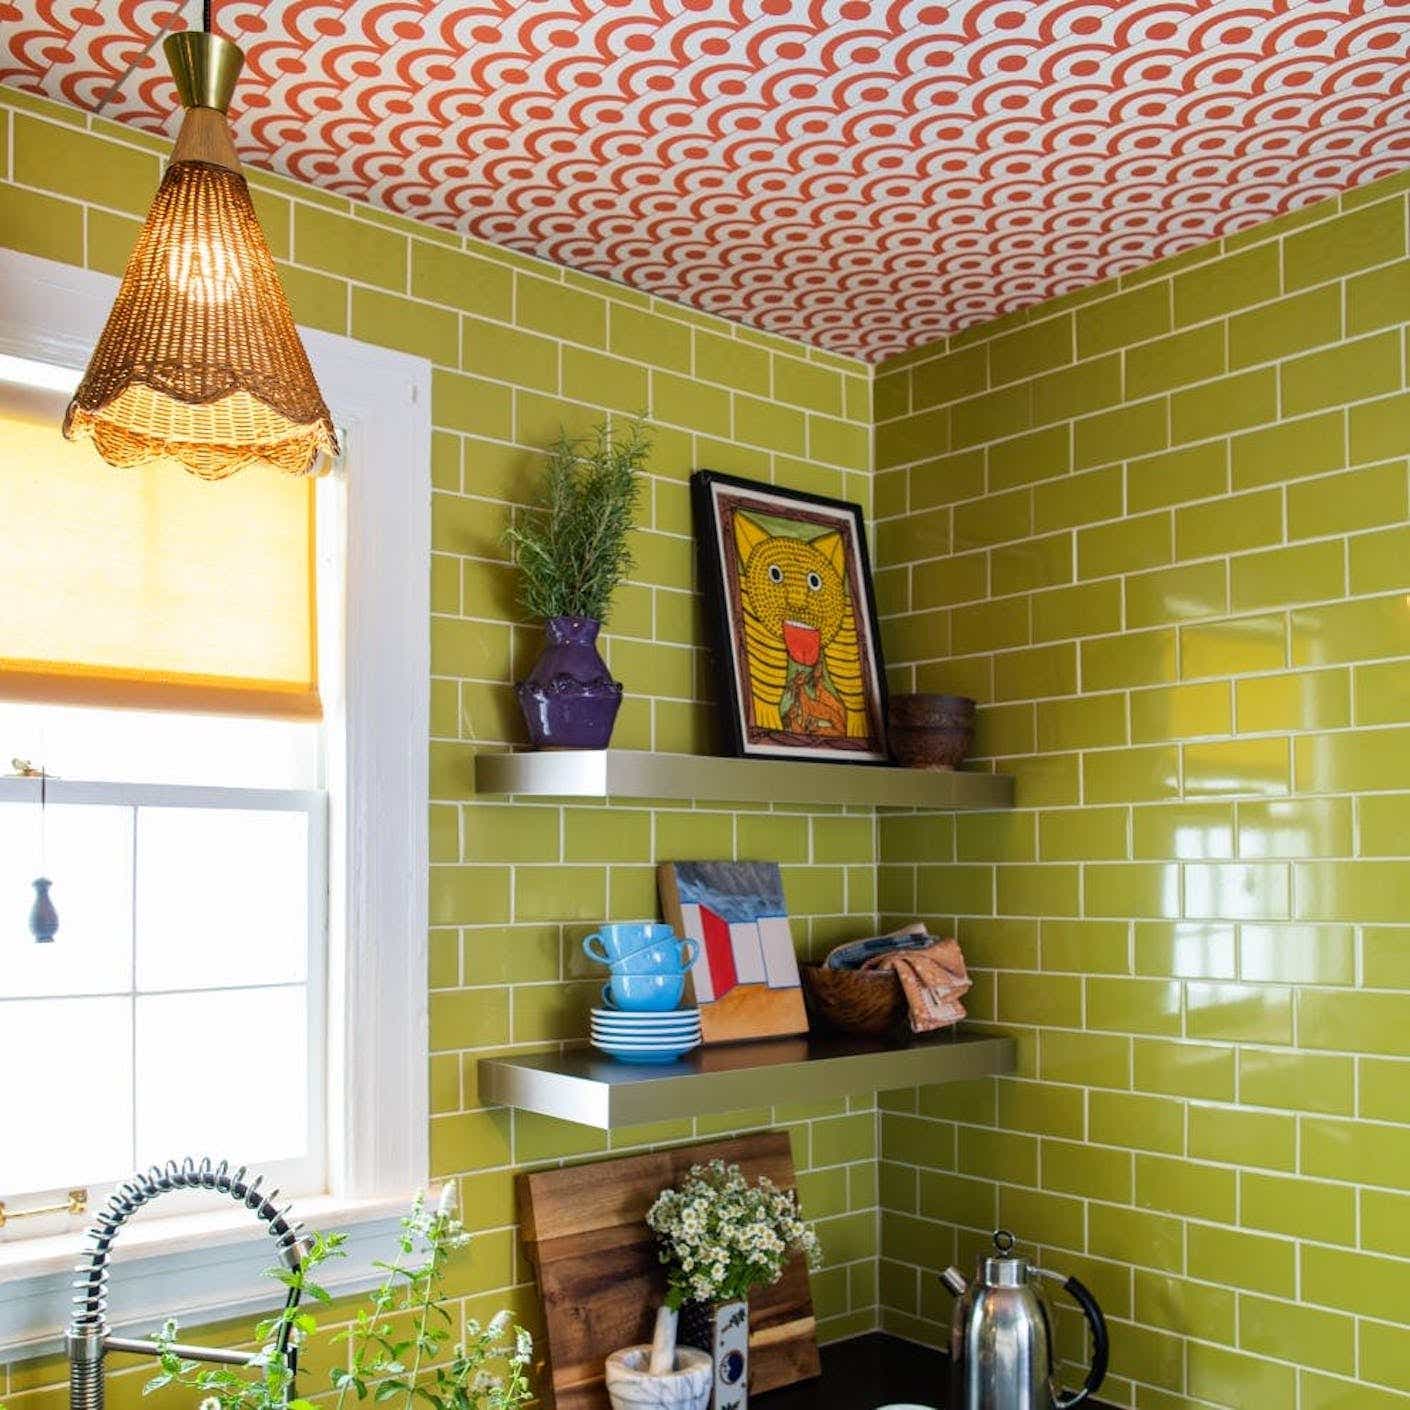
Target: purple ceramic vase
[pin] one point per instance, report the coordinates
(570, 700)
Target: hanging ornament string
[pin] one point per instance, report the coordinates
(43, 918)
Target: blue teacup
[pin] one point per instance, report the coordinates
(640, 947)
(644, 993)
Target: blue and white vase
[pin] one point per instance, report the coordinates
(722, 1330)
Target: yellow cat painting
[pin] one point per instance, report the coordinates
(800, 632)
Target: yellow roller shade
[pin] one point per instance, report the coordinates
(149, 587)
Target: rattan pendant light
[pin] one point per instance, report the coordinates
(200, 361)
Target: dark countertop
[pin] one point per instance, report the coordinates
(864, 1373)
(867, 1372)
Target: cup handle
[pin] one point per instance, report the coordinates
(602, 957)
(692, 952)
(607, 1000)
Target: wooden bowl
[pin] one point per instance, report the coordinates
(930, 731)
(869, 1001)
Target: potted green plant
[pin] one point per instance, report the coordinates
(572, 550)
(721, 1237)
(407, 1342)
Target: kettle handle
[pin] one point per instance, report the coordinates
(1101, 1347)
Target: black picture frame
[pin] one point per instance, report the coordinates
(715, 498)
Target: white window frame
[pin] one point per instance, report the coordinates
(375, 682)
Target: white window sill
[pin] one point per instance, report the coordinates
(198, 1268)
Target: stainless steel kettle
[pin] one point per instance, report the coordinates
(1001, 1346)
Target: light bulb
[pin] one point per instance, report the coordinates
(206, 271)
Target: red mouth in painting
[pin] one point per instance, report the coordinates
(803, 642)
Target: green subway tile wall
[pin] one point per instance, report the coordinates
(1159, 529)
(518, 347)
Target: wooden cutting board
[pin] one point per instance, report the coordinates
(600, 1282)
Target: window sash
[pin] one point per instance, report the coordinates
(307, 1175)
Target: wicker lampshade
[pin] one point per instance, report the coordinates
(199, 360)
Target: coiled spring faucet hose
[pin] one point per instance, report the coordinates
(89, 1340)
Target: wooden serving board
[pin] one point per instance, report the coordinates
(600, 1281)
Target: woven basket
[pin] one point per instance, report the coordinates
(869, 1001)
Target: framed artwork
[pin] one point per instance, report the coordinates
(787, 583)
(745, 975)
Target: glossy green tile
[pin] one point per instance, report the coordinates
(1350, 371)
(1355, 1022)
(1286, 326)
(1223, 285)
(1304, 1335)
(1378, 430)
(1087, 1059)
(1176, 594)
(1124, 546)
(1144, 1123)
(1079, 835)
(1295, 701)
(1186, 1188)
(1378, 298)
(1236, 891)
(1385, 1223)
(1177, 476)
(1071, 1167)
(1086, 498)
(1382, 694)
(1356, 1151)
(1139, 1237)
(1035, 672)
(1228, 404)
(1385, 957)
(1229, 525)
(1086, 609)
(1131, 659)
(1081, 722)
(1044, 1217)
(1234, 647)
(1384, 1353)
(1374, 892)
(1361, 1283)
(1354, 241)
(1239, 1136)
(1380, 561)
(1047, 889)
(1297, 954)
(1133, 1005)
(1254, 1013)
(1163, 363)
(1361, 760)
(1236, 767)
(1031, 564)
(1039, 455)
(1132, 889)
(1297, 1206)
(1304, 573)
(1045, 780)
(957, 1199)
(1040, 1107)
(1204, 1071)
(1237, 1258)
(1321, 1392)
(1297, 1081)
(1187, 831)
(945, 379)
(997, 518)
(986, 626)
(1364, 498)
(1132, 429)
(1350, 631)
(1040, 999)
(1194, 1309)
(1288, 450)
(997, 1155)
(1125, 318)
(1186, 949)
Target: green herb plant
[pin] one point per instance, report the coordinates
(398, 1342)
(572, 547)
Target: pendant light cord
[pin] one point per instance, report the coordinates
(171, 17)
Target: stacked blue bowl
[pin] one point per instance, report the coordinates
(641, 1019)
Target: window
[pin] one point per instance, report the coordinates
(186, 853)
(240, 962)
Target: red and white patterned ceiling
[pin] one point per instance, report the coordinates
(862, 174)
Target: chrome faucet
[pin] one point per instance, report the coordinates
(89, 1340)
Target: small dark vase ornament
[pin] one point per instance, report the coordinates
(43, 918)
(570, 700)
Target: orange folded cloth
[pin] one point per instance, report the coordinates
(934, 980)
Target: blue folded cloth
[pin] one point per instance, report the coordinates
(855, 953)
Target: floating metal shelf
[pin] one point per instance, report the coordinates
(629, 773)
(583, 1086)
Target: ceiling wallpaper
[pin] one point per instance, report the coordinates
(862, 174)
